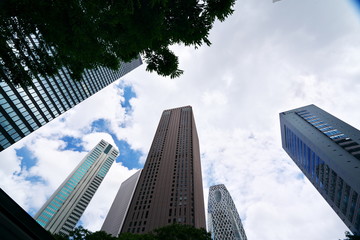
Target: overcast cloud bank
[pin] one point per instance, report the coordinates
(265, 59)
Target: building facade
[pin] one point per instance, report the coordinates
(16, 223)
(22, 110)
(170, 186)
(327, 150)
(119, 208)
(224, 222)
(64, 208)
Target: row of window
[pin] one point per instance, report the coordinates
(81, 205)
(225, 222)
(151, 170)
(106, 166)
(63, 194)
(49, 96)
(181, 180)
(160, 136)
(334, 134)
(323, 177)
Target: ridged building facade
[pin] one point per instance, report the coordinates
(224, 222)
(64, 208)
(169, 189)
(115, 218)
(23, 110)
(327, 150)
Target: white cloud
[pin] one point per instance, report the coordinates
(90, 140)
(265, 59)
(52, 158)
(94, 215)
(214, 98)
(265, 185)
(52, 164)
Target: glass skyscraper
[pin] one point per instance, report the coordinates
(64, 208)
(224, 222)
(22, 110)
(327, 150)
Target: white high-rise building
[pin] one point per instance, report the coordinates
(64, 208)
(224, 222)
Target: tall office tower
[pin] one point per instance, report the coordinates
(170, 185)
(64, 208)
(224, 222)
(22, 110)
(327, 150)
(116, 215)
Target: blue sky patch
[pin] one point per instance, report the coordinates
(128, 157)
(27, 160)
(73, 144)
(32, 211)
(35, 179)
(128, 94)
(99, 125)
(356, 4)
(300, 176)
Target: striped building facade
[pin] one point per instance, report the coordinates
(327, 150)
(115, 218)
(22, 110)
(170, 187)
(64, 208)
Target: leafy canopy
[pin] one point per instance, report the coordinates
(350, 236)
(82, 34)
(171, 232)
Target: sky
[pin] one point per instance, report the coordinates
(264, 59)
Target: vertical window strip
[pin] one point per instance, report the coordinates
(54, 97)
(99, 77)
(106, 75)
(94, 82)
(354, 199)
(66, 89)
(20, 103)
(41, 97)
(30, 101)
(334, 134)
(87, 81)
(6, 139)
(60, 93)
(75, 84)
(12, 115)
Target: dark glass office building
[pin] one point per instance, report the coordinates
(223, 219)
(22, 111)
(327, 150)
(64, 208)
(16, 223)
(169, 189)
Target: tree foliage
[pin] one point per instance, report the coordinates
(181, 232)
(350, 236)
(171, 232)
(82, 34)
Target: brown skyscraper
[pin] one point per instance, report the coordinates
(170, 186)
